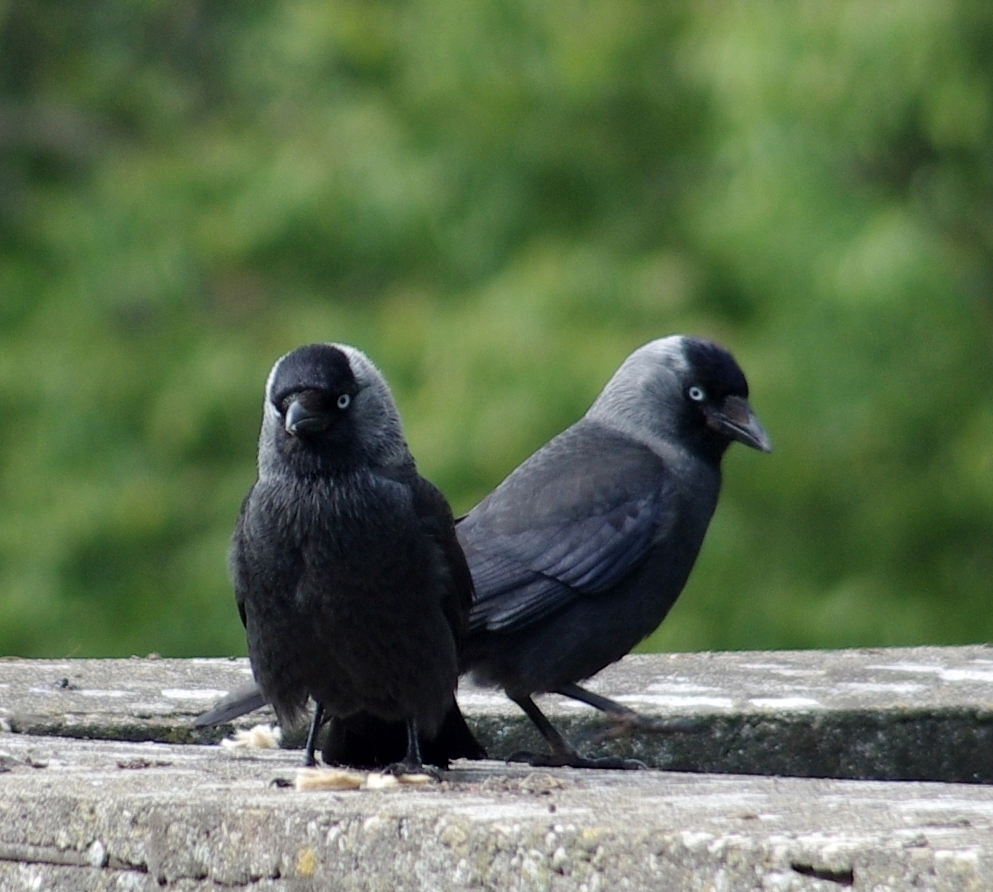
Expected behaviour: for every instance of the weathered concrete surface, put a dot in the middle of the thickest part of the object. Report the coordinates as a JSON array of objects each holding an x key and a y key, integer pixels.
[
  {"x": 902, "y": 713},
  {"x": 98, "y": 815},
  {"x": 136, "y": 699}
]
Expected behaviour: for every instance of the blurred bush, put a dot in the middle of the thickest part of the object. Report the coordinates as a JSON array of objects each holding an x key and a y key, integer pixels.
[{"x": 497, "y": 201}]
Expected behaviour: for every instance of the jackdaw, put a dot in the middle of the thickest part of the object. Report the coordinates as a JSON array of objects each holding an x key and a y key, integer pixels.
[
  {"x": 347, "y": 572},
  {"x": 580, "y": 553}
]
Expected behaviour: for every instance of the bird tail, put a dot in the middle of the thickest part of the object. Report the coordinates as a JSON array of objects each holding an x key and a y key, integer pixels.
[{"x": 246, "y": 698}]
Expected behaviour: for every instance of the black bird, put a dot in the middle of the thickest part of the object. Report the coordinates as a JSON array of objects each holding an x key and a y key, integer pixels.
[
  {"x": 580, "y": 553},
  {"x": 347, "y": 572}
]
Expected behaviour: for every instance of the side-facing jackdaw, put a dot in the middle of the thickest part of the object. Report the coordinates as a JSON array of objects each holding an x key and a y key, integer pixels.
[
  {"x": 347, "y": 572},
  {"x": 580, "y": 553}
]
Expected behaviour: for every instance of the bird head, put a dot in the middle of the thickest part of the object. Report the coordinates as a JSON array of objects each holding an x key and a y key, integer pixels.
[
  {"x": 682, "y": 392},
  {"x": 327, "y": 407}
]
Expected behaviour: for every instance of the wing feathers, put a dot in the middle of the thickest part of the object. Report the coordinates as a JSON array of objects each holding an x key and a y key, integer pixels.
[{"x": 570, "y": 522}]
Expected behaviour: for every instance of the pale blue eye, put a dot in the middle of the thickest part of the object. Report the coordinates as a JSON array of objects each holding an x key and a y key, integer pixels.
[
  {"x": 344, "y": 401},
  {"x": 696, "y": 394}
]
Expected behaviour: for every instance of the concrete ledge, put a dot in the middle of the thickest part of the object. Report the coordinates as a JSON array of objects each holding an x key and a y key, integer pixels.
[
  {"x": 904, "y": 713},
  {"x": 109, "y": 815},
  {"x": 85, "y": 807}
]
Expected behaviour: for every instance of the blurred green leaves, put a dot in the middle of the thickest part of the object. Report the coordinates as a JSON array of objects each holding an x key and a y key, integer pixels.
[{"x": 497, "y": 201}]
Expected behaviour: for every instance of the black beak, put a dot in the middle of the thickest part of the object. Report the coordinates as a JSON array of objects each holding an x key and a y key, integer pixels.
[
  {"x": 736, "y": 419},
  {"x": 302, "y": 420}
]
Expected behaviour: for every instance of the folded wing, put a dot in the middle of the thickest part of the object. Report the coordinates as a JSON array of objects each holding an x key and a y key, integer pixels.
[{"x": 569, "y": 523}]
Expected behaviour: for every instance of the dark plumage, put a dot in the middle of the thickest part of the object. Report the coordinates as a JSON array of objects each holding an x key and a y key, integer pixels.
[
  {"x": 581, "y": 552},
  {"x": 348, "y": 576},
  {"x": 362, "y": 740},
  {"x": 246, "y": 698}
]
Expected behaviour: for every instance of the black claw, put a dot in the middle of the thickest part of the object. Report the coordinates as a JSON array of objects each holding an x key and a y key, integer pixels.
[
  {"x": 412, "y": 763},
  {"x": 398, "y": 769}
]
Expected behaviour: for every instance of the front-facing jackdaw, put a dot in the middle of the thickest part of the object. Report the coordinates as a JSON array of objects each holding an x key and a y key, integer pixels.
[
  {"x": 580, "y": 553},
  {"x": 348, "y": 575}
]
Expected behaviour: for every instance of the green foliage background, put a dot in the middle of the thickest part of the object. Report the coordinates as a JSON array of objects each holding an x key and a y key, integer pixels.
[{"x": 497, "y": 200}]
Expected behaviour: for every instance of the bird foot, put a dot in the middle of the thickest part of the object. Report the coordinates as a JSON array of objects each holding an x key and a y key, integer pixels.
[
  {"x": 408, "y": 769},
  {"x": 574, "y": 760}
]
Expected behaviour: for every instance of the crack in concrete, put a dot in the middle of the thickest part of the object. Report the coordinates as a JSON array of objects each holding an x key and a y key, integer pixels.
[{"x": 27, "y": 853}]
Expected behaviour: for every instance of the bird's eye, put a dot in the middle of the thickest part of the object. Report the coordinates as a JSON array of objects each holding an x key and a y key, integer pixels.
[
  {"x": 344, "y": 401},
  {"x": 696, "y": 394}
]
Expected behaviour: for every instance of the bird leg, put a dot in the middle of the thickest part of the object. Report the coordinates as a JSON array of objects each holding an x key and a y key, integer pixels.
[
  {"x": 624, "y": 718},
  {"x": 315, "y": 727},
  {"x": 412, "y": 763},
  {"x": 563, "y": 753}
]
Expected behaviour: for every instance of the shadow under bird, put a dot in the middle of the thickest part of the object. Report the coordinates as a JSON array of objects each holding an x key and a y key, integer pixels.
[
  {"x": 581, "y": 552},
  {"x": 348, "y": 575}
]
